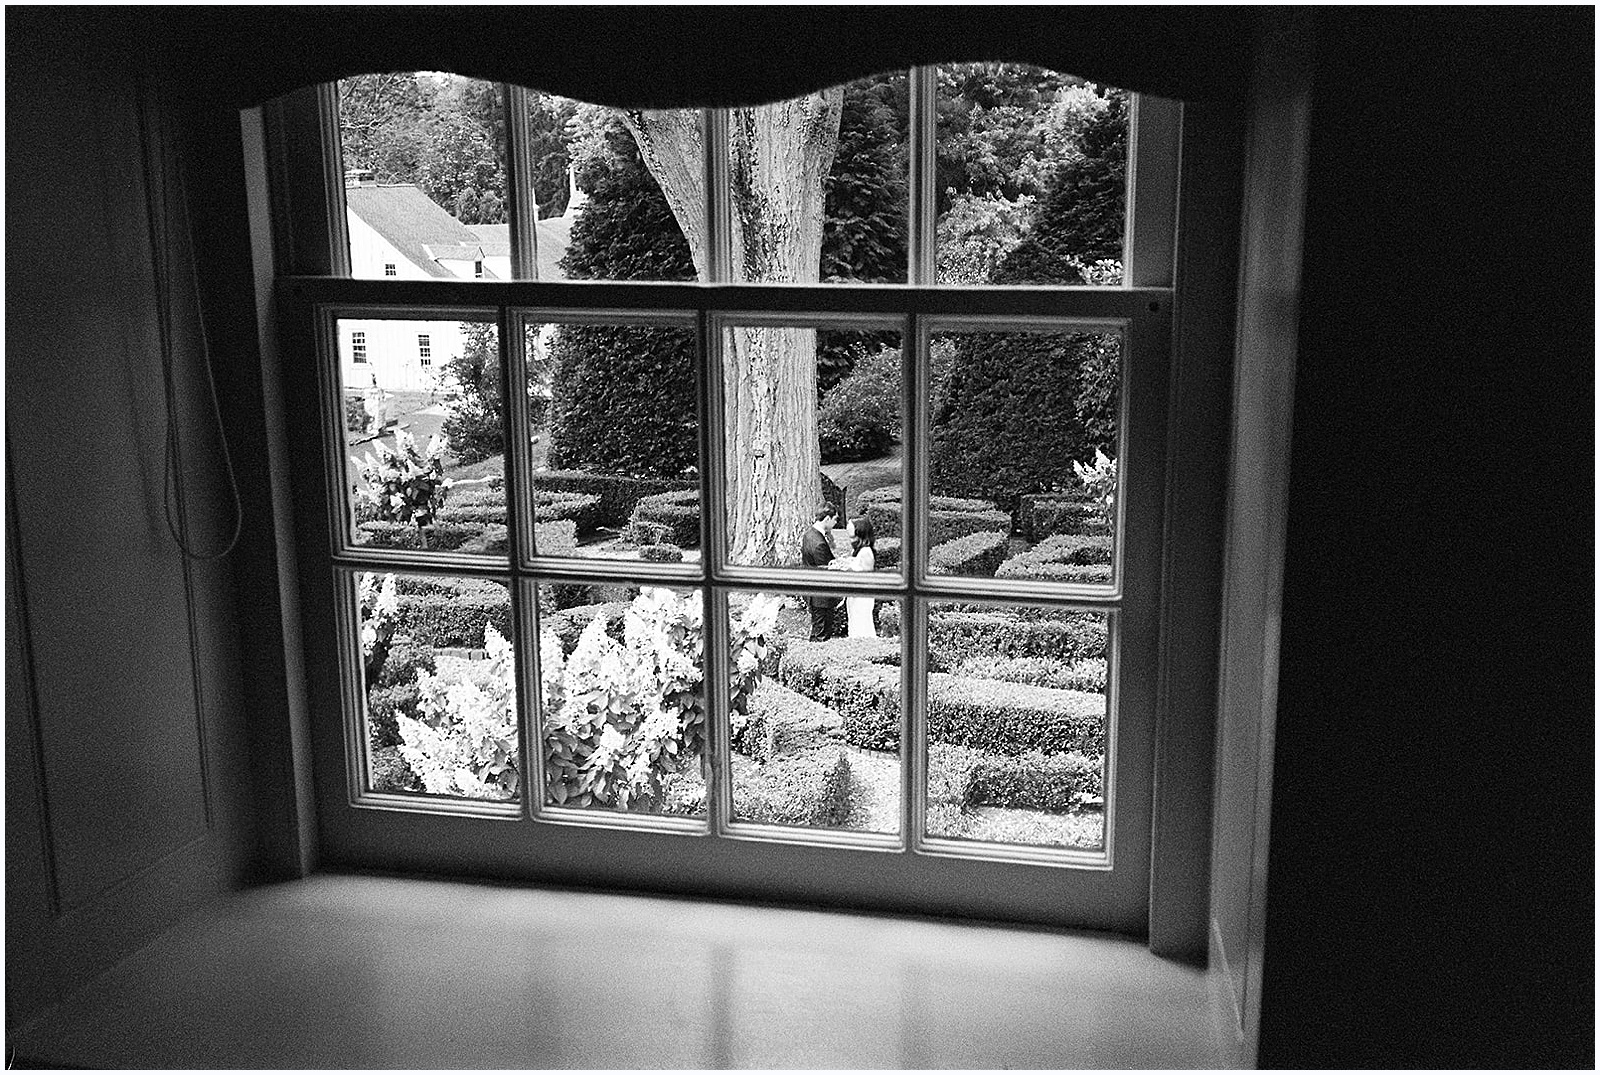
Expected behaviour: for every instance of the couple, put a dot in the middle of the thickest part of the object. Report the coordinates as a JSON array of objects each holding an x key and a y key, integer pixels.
[{"x": 816, "y": 550}]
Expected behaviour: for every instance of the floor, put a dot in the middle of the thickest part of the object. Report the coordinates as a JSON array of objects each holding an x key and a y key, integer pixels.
[{"x": 359, "y": 972}]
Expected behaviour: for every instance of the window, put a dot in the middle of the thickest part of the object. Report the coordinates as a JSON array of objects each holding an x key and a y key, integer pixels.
[
  {"x": 532, "y": 650},
  {"x": 424, "y": 351},
  {"x": 477, "y": 270},
  {"x": 389, "y": 268},
  {"x": 358, "y": 347}
]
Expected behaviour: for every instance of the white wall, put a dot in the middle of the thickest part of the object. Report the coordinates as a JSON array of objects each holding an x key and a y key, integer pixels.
[
  {"x": 393, "y": 354},
  {"x": 369, "y": 252}
]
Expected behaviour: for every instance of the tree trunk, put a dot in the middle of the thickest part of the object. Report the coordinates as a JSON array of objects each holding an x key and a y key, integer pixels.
[{"x": 779, "y": 156}]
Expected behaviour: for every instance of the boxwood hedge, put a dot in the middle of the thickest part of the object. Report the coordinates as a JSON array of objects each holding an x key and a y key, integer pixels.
[
  {"x": 810, "y": 788},
  {"x": 453, "y": 619},
  {"x": 1063, "y": 558},
  {"x": 618, "y": 493},
  {"x": 680, "y": 511},
  {"x": 782, "y": 721},
  {"x": 974, "y": 555},
  {"x": 859, "y": 678},
  {"x": 955, "y": 635}
]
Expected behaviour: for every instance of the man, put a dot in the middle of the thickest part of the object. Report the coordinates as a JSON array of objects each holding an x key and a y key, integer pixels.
[{"x": 816, "y": 550}]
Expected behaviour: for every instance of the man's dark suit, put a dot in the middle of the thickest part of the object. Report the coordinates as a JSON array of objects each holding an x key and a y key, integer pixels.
[{"x": 817, "y": 551}]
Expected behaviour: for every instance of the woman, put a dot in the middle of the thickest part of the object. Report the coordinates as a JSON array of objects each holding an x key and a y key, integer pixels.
[{"x": 858, "y": 610}]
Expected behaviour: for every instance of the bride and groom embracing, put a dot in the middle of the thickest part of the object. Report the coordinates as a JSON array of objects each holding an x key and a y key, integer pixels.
[{"x": 816, "y": 550}]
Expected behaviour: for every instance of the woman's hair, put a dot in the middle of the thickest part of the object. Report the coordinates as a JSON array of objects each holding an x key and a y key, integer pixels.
[{"x": 863, "y": 534}]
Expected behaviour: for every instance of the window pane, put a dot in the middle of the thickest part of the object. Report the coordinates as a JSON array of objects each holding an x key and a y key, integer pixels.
[
  {"x": 1023, "y": 467},
  {"x": 1030, "y": 176},
  {"x": 421, "y": 404},
  {"x": 838, "y": 156},
  {"x": 623, "y": 698},
  {"x": 816, "y": 713},
  {"x": 1017, "y": 724},
  {"x": 615, "y": 441},
  {"x": 440, "y": 685},
  {"x": 789, "y": 455},
  {"x": 424, "y": 157},
  {"x": 619, "y": 195}
]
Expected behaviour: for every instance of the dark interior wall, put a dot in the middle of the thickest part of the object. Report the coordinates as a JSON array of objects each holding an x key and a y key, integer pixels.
[
  {"x": 1430, "y": 895},
  {"x": 125, "y": 772}
]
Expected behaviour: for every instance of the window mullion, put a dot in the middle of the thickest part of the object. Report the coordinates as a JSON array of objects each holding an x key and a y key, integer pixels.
[
  {"x": 713, "y": 541},
  {"x": 523, "y": 211},
  {"x": 920, "y": 240},
  {"x": 719, "y": 216},
  {"x": 525, "y": 628},
  {"x": 914, "y": 518}
]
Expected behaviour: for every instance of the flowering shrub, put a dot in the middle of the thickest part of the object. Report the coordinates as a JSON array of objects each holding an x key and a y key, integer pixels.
[
  {"x": 378, "y": 603},
  {"x": 465, "y": 741},
  {"x": 619, "y": 716},
  {"x": 1101, "y": 482},
  {"x": 404, "y": 484}
]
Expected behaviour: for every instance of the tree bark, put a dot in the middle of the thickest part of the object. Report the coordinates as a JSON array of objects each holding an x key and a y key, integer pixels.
[{"x": 779, "y": 155}]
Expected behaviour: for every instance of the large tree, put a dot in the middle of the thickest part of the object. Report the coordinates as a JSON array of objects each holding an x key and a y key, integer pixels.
[{"x": 779, "y": 156}]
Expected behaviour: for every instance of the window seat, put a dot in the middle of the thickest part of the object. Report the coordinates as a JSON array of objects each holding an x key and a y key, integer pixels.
[{"x": 358, "y": 971}]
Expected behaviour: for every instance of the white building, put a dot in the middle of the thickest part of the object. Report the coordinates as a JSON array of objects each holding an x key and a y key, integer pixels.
[{"x": 397, "y": 232}]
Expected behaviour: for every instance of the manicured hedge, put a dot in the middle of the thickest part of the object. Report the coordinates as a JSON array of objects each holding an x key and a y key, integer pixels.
[
  {"x": 1010, "y": 718},
  {"x": 643, "y": 532},
  {"x": 403, "y": 662},
  {"x": 1037, "y": 781},
  {"x": 678, "y": 510},
  {"x": 618, "y": 493},
  {"x": 810, "y": 788},
  {"x": 582, "y": 509},
  {"x": 886, "y": 553},
  {"x": 568, "y": 623},
  {"x": 782, "y": 721},
  {"x": 948, "y": 517},
  {"x": 661, "y": 554},
  {"x": 453, "y": 619},
  {"x": 956, "y": 635},
  {"x": 442, "y": 537},
  {"x": 853, "y": 677},
  {"x": 1063, "y": 558},
  {"x": 1084, "y": 674},
  {"x": 974, "y": 555},
  {"x": 1039, "y": 517}
]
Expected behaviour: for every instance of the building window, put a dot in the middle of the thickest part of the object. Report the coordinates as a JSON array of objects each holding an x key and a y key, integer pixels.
[
  {"x": 477, "y": 269},
  {"x": 389, "y": 268},
  {"x": 972, "y": 697},
  {"x": 424, "y": 351},
  {"x": 358, "y": 347}
]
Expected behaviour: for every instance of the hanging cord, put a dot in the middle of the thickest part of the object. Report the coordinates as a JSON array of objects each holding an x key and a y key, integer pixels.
[{"x": 156, "y": 167}]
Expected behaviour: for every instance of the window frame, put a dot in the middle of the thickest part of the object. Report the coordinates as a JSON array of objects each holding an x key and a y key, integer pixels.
[
  {"x": 425, "y": 348},
  {"x": 1149, "y": 285}
]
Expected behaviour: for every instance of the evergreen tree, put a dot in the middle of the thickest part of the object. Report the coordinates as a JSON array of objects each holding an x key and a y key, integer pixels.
[{"x": 623, "y": 397}]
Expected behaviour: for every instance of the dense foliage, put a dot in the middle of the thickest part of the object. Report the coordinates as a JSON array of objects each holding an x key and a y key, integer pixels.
[
  {"x": 623, "y": 397},
  {"x": 860, "y": 417},
  {"x": 447, "y": 135}
]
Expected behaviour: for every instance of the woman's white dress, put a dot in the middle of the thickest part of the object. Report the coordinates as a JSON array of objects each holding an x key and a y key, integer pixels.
[{"x": 858, "y": 610}]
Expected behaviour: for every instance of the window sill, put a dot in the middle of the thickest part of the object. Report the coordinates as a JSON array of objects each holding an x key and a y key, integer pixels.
[{"x": 357, "y": 972}]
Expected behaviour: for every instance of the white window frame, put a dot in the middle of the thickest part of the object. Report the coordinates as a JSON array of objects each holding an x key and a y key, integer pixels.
[
  {"x": 358, "y": 348},
  {"x": 424, "y": 349},
  {"x": 1142, "y": 309},
  {"x": 391, "y": 269}
]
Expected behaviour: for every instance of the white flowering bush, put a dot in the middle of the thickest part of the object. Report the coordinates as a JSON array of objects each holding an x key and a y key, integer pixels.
[
  {"x": 619, "y": 716},
  {"x": 378, "y": 603},
  {"x": 404, "y": 484},
  {"x": 465, "y": 741},
  {"x": 1101, "y": 482}
]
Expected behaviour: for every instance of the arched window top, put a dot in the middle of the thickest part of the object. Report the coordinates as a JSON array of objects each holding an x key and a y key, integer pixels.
[{"x": 673, "y": 57}]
